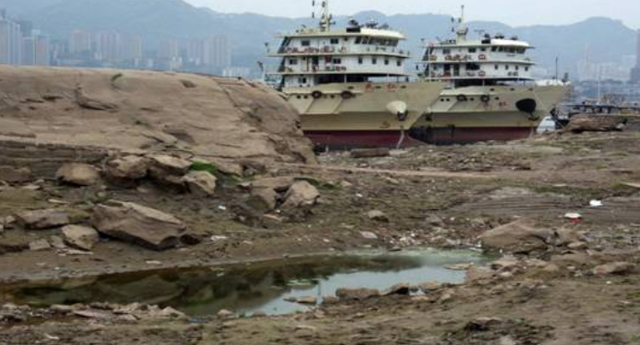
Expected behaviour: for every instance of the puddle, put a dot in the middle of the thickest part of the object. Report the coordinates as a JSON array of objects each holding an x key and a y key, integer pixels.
[{"x": 246, "y": 289}]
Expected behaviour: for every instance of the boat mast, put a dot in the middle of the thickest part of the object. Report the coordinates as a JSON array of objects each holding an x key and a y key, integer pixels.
[
  {"x": 463, "y": 30},
  {"x": 326, "y": 17}
]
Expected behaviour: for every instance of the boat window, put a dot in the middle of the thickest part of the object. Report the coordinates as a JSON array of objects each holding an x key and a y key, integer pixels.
[
  {"x": 337, "y": 61},
  {"x": 506, "y": 67},
  {"x": 446, "y": 51},
  {"x": 483, "y": 49},
  {"x": 472, "y": 50},
  {"x": 293, "y": 61},
  {"x": 360, "y": 60},
  {"x": 493, "y": 49},
  {"x": 399, "y": 63},
  {"x": 335, "y": 41},
  {"x": 358, "y": 40},
  {"x": 386, "y": 62},
  {"x": 374, "y": 61},
  {"x": 517, "y": 68},
  {"x": 526, "y": 69},
  {"x": 497, "y": 67},
  {"x": 306, "y": 43}
]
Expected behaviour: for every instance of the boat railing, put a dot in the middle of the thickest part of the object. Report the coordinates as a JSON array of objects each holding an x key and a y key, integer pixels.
[{"x": 342, "y": 50}]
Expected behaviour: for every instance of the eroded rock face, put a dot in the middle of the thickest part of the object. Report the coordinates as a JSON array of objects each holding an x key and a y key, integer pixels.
[
  {"x": 138, "y": 224},
  {"x": 43, "y": 219},
  {"x": 78, "y": 174},
  {"x": 522, "y": 236},
  {"x": 81, "y": 237},
  {"x": 15, "y": 175}
]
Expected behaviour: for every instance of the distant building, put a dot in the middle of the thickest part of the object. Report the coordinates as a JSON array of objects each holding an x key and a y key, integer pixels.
[
  {"x": 132, "y": 49},
  {"x": 79, "y": 42},
  {"x": 10, "y": 41},
  {"x": 42, "y": 50},
  {"x": 107, "y": 47},
  {"x": 217, "y": 52},
  {"x": 635, "y": 72}
]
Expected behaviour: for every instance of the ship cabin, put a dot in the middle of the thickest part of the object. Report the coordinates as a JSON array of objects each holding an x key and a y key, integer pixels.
[
  {"x": 490, "y": 60},
  {"x": 358, "y": 53}
]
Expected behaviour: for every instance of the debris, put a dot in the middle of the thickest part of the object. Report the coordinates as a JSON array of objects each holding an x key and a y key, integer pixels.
[
  {"x": 368, "y": 235},
  {"x": 595, "y": 203},
  {"x": 309, "y": 300},
  {"x": 81, "y": 237},
  {"x": 378, "y": 216},
  {"x": 78, "y": 174},
  {"x": 138, "y": 224},
  {"x": 43, "y": 219},
  {"x": 218, "y": 238},
  {"x": 596, "y": 123},
  {"x": 574, "y": 217},
  {"x": 153, "y": 263}
]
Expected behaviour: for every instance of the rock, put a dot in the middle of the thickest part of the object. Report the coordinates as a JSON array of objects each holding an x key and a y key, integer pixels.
[
  {"x": 192, "y": 239},
  {"x": 310, "y": 300},
  {"x": 357, "y": 294},
  {"x": 370, "y": 153},
  {"x": 168, "y": 165},
  {"x": 482, "y": 324},
  {"x": 578, "y": 245},
  {"x": 138, "y": 224},
  {"x": 263, "y": 199},
  {"x": 8, "y": 222},
  {"x": 596, "y": 123},
  {"x": 378, "y": 216},
  {"x": 435, "y": 221},
  {"x": 127, "y": 168},
  {"x": 620, "y": 268},
  {"x": 279, "y": 184},
  {"x": 201, "y": 183},
  {"x": 368, "y": 235},
  {"x": 398, "y": 289},
  {"x": 1, "y": 228},
  {"x": 330, "y": 300},
  {"x": 565, "y": 236},
  {"x": 505, "y": 263},
  {"x": 479, "y": 274},
  {"x": 57, "y": 242},
  {"x": 522, "y": 236},
  {"x": 78, "y": 174},
  {"x": 430, "y": 287},
  {"x": 301, "y": 194},
  {"x": 226, "y": 314},
  {"x": 43, "y": 219},
  {"x": 81, "y": 237},
  {"x": 40, "y": 245},
  {"x": 15, "y": 175},
  {"x": 460, "y": 267}
]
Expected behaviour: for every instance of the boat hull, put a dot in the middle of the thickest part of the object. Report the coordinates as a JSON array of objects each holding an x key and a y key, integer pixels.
[{"x": 344, "y": 140}]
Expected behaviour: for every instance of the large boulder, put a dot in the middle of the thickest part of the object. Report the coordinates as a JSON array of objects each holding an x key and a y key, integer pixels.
[
  {"x": 169, "y": 170},
  {"x": 78, "y": 174},
  {"x": 301, "y": 194},
  {"x": 81, "y": 237},
  {"x": 138, "y": 224},
  {"x": 43, "y": 219},
  {"x": 200, "y": 183},
  {"x": 522, "y": 236}
]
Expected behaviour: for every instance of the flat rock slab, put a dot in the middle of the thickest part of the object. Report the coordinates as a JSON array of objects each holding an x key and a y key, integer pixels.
[{"x": 138, "y": 224}]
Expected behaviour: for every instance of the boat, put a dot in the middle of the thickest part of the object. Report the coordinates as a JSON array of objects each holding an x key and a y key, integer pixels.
[
  {"x": 490, "y": 93},
  {"x": 350, "y": 86}
]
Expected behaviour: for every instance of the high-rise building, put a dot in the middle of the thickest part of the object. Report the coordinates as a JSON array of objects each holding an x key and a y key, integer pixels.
[
  {"x": 42, "y": 50},
  {"x": 10, "y": 41},
  {"x": 635, "y": 72},
  {"x": 132, "y": 49},
  {"x": 108, "y": 46},
  {"x": 217, "y": 52},
  {"x": 28, "y": 50},
  {"x": 79, "y": 42},
  {"x": 169, "y": 49}
]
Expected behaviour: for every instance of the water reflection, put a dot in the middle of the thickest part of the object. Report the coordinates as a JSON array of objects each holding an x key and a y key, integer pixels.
[{"x": 248, "y": 288}]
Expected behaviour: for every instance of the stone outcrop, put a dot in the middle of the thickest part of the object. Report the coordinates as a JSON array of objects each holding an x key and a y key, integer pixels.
[
  {"x": 200, "y": 183},
  {"x": 138, "y": 224},
  {"x": 301, "y": 194},
  {"x": 15, "y": 175},
  {"x": 128, "y": 168}
]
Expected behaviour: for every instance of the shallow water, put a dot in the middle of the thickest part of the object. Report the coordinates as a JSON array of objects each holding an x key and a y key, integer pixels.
[{"x": 246, "y": 289}]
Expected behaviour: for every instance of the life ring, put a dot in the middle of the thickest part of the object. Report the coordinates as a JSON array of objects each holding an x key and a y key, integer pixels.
[
  {"x": 485, "y": 98},
  {"x": 347, "y": 94},
  {"x": 316, "y": 94},
  {"x": 461, "y": 98},
  {"x": 482, "y": 57}
]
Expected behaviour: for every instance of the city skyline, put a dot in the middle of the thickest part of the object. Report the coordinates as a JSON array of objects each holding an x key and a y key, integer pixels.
[{"x": 526, "y": 13}]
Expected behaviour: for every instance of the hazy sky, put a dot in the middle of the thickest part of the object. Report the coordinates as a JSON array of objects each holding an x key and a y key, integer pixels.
[{"x": 513, "y": 12}]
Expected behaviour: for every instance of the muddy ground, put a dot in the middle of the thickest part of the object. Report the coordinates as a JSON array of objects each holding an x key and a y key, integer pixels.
[{"x": 442, "y": 197}]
